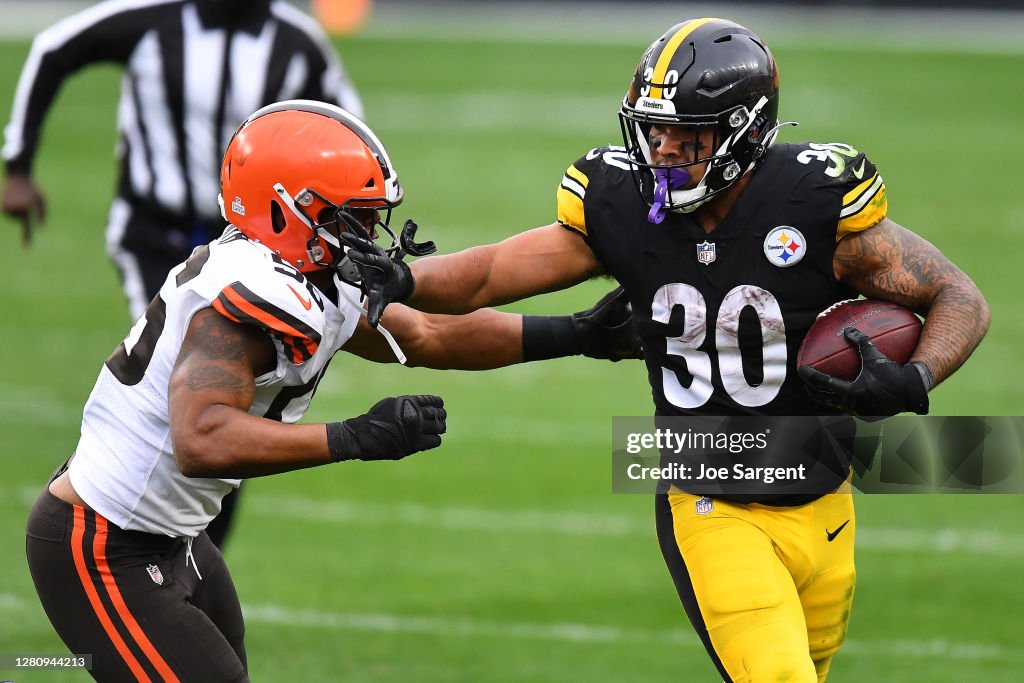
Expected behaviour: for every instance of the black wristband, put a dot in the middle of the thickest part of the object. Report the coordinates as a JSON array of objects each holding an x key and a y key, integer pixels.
[
  {"x": 341, "y": 442},
  {"x": 549, "y": 337},
  {"x": 408, "y": 282},
  {"x": 926, "y": 375},
  {"x": 917, "y": 389}
]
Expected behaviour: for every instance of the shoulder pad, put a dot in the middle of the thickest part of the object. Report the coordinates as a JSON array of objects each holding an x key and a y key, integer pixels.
[
  {"x": 572, "y": 191},
  {"x": 864, "y": 202},
  {"x": 272, "y": 295}
]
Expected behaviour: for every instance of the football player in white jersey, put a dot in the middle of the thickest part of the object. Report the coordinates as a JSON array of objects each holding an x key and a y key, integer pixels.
[{"x": 207, "y": 387}]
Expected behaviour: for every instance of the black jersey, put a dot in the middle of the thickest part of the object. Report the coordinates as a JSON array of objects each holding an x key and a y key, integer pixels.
[{"x": 722, "y": 314}]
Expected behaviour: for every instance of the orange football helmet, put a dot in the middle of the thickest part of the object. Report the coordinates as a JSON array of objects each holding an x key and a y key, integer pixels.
[{"x": 294, "y": 173}]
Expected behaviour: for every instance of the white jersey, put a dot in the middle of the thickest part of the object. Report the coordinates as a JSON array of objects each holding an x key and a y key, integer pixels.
[{"x": 124, "y": 466}]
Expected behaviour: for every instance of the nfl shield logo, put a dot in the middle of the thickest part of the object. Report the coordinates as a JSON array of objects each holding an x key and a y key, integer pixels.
[
  {"x": 706, "y": 252},
  {"x": 705, "y": 505},
  {"x": 155, "y": 574}
]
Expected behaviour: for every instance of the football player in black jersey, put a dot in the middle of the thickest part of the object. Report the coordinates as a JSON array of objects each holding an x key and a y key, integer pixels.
[{"x": 727, "y": 245}]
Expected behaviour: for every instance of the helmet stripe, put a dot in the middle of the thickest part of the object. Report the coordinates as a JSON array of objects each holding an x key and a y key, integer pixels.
[{"x": 669, "y": 51}]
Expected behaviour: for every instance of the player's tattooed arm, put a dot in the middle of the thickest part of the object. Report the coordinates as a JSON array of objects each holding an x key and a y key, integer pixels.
[
  {"x": 534, "y": 262},
  {"x": 218, "y": 355},
  {"x": 211, "y": 390},
  {"x": 892, "y": 263}
]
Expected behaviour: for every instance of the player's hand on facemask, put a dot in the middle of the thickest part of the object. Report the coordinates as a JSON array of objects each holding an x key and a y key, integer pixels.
[
  {"x": 883, "y": 387},
  {"x": 392, "y": 429},
  {"x": 384, "y": 280},
  {"x": 606, "y": 330}
]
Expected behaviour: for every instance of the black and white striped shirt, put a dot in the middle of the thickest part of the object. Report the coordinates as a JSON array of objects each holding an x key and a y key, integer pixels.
[{"x": 186, "y": 87}]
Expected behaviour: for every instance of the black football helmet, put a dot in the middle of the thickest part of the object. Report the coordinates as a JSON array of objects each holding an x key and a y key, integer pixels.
[{"x": 706, "y": 73}]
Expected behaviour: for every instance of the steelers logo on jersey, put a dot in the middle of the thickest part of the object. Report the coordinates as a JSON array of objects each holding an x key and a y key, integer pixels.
[{"x": 784, "y": 246}]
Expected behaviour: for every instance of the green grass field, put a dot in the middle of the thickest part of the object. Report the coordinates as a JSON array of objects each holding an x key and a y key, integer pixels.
[{"x": 503, "y": 556}]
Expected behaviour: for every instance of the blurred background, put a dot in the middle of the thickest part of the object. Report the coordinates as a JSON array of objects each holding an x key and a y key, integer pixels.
[{"x": 503, "y": 556}]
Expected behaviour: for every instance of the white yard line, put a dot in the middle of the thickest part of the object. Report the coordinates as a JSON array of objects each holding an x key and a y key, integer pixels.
[
  {"x": 566, "y": 632},
  {"x": 941, "y": 541},
  {"x": 569, "y": 523},
  {"x": 459, "y": 626},
  {"x": 590, "y": 633}
]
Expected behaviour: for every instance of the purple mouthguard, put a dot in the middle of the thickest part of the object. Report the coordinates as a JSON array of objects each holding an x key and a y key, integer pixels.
[{"x": 678, "y": 178}]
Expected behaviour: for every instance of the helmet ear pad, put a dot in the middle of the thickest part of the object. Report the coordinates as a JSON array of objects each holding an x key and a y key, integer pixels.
[
  {"x": 749, "y": 145},
  {"x": 277, "y": 219}
]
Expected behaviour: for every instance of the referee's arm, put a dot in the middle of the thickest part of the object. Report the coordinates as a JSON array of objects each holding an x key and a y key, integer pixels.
[{"x": 100, "y": 33}]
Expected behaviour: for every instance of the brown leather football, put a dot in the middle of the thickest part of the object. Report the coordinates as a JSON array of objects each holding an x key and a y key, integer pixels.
[{"x": 894, "y": 329}]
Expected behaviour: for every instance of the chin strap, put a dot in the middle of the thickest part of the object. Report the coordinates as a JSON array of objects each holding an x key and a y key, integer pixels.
[
  {"x": 395, "y": 348},
  {"x": 769, "y": 137}
]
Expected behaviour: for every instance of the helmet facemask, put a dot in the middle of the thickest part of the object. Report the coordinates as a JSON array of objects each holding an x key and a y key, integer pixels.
[
  {"x": 346, "y": 220},
  {"x": 327, "y": 221},
  {"x": 738, "y": 140}
]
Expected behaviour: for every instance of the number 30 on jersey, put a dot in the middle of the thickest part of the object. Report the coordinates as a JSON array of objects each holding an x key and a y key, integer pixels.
[{"x": 730, "y": 360}]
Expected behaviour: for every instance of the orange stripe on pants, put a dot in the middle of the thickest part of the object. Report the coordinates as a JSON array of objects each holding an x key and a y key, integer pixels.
[
  {"x": 77, "y": 535},
  {"x": 100, "y": 555}
]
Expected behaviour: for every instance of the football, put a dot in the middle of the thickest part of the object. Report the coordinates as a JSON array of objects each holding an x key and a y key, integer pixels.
[{"x": 893, "y": 328}]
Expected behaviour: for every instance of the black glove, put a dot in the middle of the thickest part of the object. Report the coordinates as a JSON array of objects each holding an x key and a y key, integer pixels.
[
  {"x": 384, "y": 280},
  {"x": 391, "y": 430},
  {"x": 883, "y": 387},
  {"x": 606, "y": 330}
]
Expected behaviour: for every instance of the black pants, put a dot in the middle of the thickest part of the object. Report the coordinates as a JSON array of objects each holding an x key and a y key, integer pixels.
[{"x": 132, "y": 600}]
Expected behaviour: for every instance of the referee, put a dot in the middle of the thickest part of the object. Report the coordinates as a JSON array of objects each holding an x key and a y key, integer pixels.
[{"x": 193, "y": 70}]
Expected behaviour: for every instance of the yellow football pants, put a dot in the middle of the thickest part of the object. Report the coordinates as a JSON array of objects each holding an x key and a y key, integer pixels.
[{"x": 768, "y": 589}]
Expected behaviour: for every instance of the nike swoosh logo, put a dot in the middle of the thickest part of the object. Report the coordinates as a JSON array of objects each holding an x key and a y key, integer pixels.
[
  {"x": 306, "y": 303},
  {"x": 859, "y": 171},
  {"x": 832, "y": 534}
]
